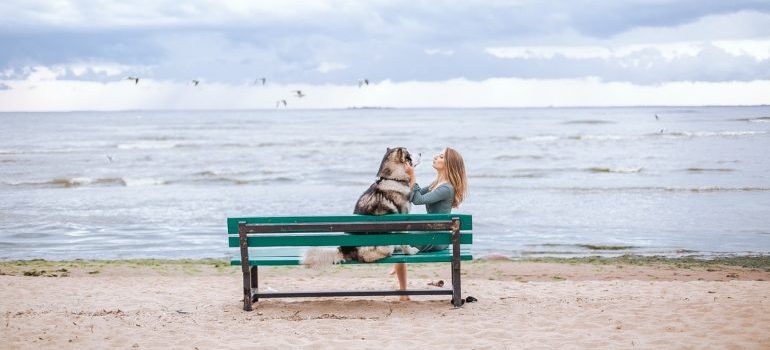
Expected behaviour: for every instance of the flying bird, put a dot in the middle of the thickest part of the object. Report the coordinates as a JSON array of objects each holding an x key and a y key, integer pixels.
[
  {"x": 135, "y": 79},
  {"x": 299, "y": 93},
  {"x": 278, "y": 103},
  {"x": 363, "y": 82},
  {"x": 195, "y": 82},
  {"x": 263, "y": 80},
  {"x": 656, "y": 117}
]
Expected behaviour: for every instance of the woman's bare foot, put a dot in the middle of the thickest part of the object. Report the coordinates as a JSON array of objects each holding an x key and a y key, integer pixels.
[{"x": 404, "y": 298}]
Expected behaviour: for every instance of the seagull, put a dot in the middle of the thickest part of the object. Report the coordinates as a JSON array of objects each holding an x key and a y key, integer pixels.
[
  {"x": 135, "y": 79},
  {"x": 195, "y": 82},
  {"x": 109, "y": 158},
  {"x": 263, "y": 80},
  {"x": 278, "y": 103},
  {"x": 363, "y": 82},
  {"x": 299, "y": 93},
  {"x": 656, "y": 117}
]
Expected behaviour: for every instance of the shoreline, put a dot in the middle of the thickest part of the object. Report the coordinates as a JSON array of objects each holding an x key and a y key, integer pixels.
[
  {"x": 755, "y": 262},
  {"x": 624, "y": 268}
]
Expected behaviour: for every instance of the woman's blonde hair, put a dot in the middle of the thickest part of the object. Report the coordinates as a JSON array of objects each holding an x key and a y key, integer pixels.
[{"x": 455, "y": 173}]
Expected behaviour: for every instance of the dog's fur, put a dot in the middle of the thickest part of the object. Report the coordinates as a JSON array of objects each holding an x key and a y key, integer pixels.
[{"x": 388, "y": 195}]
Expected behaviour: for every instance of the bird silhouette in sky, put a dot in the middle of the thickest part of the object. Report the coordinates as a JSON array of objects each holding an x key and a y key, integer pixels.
[
  {"x": 195, "y": 82},
  {"x": 363, "y": 82},
  {"x": 279, "y": 102},
  {"x": 298, "y": 93},
  {"x": 656, "y": 117},
  {"x": 135, "y": 79},
  {"x": 263, "y": 80}
]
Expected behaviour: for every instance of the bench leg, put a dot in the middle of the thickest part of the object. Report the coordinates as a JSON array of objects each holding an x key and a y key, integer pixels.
[
  {"x": 255, "y": 279},
  {"x": 245, "y": 266},
  {"x": 456, "y": 295},
  {"x": 246, "y": 289}
]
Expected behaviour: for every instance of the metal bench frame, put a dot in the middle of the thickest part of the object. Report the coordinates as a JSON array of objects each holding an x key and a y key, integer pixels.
[{"x": 251, "y": 273}]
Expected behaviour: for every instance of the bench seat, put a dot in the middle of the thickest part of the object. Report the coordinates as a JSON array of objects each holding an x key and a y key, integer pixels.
[{"x": 426, "y": 257}]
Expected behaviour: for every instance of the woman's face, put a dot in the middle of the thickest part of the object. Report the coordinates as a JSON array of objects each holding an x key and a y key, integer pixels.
[{"x": 438, "y": 161}]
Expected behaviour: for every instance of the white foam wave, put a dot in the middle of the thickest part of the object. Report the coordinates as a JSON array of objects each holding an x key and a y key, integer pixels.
[
  {"x": 620, "y": 170},
  {"x": 140, "y": 182},
  {"x": 148, "y": 145},
  {"x": 89, "y": 181},
  {"x": 688, "y": 134},
  {"x": 543, "y": 138},
  {"x": 599, "y": 137}
]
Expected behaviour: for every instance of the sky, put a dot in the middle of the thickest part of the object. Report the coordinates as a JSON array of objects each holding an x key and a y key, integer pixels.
[{"x": 77, "y": 55}]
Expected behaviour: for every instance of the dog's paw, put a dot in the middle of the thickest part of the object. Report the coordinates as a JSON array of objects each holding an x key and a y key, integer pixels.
[{"x": 409, "y": 250}]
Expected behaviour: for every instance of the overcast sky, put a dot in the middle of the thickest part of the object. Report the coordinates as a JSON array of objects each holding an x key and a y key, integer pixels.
[{"x": 76, "y": 55}]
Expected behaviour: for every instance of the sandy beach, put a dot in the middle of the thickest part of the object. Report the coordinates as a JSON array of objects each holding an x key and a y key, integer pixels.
[{"x": 611, "y": 304}]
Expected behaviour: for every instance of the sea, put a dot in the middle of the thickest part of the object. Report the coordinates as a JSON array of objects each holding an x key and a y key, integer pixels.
[{"x": 543, "y": 182}]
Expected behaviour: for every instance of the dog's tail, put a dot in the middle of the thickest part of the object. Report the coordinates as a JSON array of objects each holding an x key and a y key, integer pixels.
[{"x": 319, "y": 257}]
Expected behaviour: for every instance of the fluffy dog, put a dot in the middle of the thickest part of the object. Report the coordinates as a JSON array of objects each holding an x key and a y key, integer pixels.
[{"x": 388, "y": 195}]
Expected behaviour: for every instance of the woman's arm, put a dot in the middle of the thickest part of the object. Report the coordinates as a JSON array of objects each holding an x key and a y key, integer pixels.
[{"x": 440, "y": 193}]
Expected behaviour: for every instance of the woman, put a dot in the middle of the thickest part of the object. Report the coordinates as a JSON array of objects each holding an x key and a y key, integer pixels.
[{"x": 447, "y": 191}]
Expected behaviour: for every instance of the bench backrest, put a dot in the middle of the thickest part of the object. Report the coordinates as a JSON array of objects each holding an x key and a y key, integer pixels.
[{"x": 281, "y": 231}]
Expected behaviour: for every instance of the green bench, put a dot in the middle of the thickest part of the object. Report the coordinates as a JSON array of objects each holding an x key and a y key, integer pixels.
[{"x": 258, "y": 237}]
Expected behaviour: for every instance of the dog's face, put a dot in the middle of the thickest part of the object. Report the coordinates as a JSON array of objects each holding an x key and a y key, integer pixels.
[
  {"x": 398, "y": 155},
  {"x": 394, "y": 161}
]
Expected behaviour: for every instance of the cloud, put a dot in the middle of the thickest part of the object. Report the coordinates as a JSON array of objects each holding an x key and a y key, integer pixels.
[
  {"x": 442, "y": 52},
  {"x": 336, "y": 42},
  {"x": 326, "y": 67}
]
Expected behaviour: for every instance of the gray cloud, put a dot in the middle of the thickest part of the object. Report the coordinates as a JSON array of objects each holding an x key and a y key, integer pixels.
[{"x": 171, "y": 41}]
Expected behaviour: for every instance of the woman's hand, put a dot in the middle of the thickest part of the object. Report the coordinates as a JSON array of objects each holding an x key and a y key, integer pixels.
[{"x": 410, "y": 172}]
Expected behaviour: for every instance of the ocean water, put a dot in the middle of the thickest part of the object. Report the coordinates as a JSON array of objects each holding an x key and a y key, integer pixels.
[{"x": 543, "y": 182}]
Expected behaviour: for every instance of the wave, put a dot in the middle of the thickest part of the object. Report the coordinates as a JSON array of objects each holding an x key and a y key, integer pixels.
[
  {"x": 614, "y": 170},
  {"x": 598, "y": 137},
  {"x": 510, "y": 157},
  {"x": 636, "y": 189},
  {"x": 144, "y": 145},
  {"x": 589, "y": 122},
  {"x": 87, "y": 181},
  {"x": 661, "y": 134},
  {"x": 585, "y": 246},
  {"x": 755, "y": 120},
  {"x": 687, "y": 134},
  {"x": 700, "y": 170},
  {"x": 506, "y": 176}
]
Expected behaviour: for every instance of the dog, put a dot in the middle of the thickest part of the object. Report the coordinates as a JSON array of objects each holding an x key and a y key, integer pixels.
[{"x": 389, "y": 194}]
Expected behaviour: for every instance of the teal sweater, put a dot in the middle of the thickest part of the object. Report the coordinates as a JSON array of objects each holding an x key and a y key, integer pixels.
[{"x": 438, "y": 201}]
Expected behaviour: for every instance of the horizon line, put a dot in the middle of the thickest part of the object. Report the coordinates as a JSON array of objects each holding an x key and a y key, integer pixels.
[{"x": 375, "y": 108}]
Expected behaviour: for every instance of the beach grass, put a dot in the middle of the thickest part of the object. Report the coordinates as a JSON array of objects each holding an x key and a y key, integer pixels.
[
  {"x": 51, "y": 268},
  {"x": 760, "y": 262}
]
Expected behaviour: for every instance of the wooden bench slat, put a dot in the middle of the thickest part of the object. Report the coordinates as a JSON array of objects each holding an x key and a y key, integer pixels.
[
  {"x": 466, "y": 222},
  {"x": 357, "y": 227},
  {"x": 343, "y": 239},
  {"x": 441, "y": 256}
]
